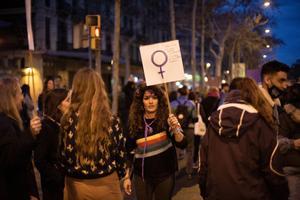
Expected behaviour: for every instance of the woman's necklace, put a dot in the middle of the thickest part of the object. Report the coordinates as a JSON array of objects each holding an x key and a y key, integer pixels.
[{"x": 148, "y": 130}]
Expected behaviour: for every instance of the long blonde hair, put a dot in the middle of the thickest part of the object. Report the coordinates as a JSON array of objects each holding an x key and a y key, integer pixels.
[
  {"x": 251, "y": 93},
  {"x": 89, "y": 99},
  {"x": 9, "y": 87}
]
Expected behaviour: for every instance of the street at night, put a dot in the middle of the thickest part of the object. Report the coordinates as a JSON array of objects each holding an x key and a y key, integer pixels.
[{"x": 149, "y": 100}]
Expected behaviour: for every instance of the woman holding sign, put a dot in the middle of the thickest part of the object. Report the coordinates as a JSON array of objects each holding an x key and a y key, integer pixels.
[{"x": 153, "y": 136}]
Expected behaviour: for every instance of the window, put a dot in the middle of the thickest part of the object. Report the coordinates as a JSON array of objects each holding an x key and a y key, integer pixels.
[{"x": 62, "y": 36}]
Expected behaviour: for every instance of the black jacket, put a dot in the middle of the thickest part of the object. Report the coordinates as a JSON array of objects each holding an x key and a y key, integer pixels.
[
  {"x": 291, "y": 130},
  {"x": 210, "y": 104},
  {"x": 46, "y": 160},
  {"x": 235, "y": 156},
  {"x": 16, "y": 174}
]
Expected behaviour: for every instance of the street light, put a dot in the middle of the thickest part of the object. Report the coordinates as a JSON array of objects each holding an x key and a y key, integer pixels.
[
  {"x": 267, "y": 4},
  {"x": 205, "y": 79},
  {"x": 267, "y": 30},
  {"x": 268, "y": 46},
  {"x": 264, "y": 56},
  {"x": 208, "y": 65}
]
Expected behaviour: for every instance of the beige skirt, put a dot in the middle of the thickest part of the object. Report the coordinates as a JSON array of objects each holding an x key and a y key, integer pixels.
[{"x": 106, "y": 188}]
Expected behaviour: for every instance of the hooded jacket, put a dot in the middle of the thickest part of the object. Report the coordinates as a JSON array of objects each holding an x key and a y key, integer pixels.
[{"x": 236, "y": 152}]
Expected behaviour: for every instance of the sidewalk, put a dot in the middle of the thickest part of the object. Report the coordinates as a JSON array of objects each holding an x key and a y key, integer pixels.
[{"x": 186, "y": 188}]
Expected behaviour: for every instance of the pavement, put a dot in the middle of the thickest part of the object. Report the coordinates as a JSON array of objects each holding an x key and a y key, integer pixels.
[{"x": 186, "y": 187}]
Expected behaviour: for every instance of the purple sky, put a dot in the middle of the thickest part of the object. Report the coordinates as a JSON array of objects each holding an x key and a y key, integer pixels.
[{"x": 288, "y": 29}]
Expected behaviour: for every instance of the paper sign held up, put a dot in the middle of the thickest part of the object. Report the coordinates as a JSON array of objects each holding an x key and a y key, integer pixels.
[{"x": 162, "y": 62}]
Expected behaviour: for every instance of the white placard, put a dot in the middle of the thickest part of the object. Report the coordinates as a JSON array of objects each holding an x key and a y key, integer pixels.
[
  {"x": 238, "y": 70},
  {"x": 162, "y": 62}
]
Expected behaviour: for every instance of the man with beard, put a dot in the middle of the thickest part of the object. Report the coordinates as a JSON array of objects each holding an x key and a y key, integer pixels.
[
  {"x": 274, "y": 84},
  {"x": 274, "y": 81}
]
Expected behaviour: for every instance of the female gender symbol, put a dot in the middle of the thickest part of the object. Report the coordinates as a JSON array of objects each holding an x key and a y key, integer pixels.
[{"x": 160, "y": 65}]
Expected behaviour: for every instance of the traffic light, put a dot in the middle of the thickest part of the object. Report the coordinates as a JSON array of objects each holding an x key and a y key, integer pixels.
[
  {"x": 95, "y": 37},
  {"x": 94, "y": 24},
  {"x": 93, "y": 20}
]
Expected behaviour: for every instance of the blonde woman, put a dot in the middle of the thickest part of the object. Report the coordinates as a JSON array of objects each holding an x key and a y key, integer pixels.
[
  {"x": 92, "y": 142},
  {"x": 16, "y": 144}
]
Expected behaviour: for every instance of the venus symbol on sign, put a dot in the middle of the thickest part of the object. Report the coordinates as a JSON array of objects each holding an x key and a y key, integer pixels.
[{"x": 159, "y": 58}]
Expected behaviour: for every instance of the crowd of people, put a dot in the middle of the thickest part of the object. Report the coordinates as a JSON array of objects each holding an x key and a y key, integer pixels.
[{"x": 83, "y": 151}]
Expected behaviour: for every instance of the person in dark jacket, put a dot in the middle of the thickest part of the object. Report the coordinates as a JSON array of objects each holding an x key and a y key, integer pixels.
[
  {"x": 46, "y": 150},
  {"x": 185, "y": 111},
  {"x": 48, "y": 86},
  {"x": 27, "y": 106},
  {"x": 242, "y": 133},
  {"x": 211, "y": 102},
  {"x": 197, "y": 138},
  {"x": 154, "y": 132},
  {"x": 16, "y": 144},
  {"x": 290, "y": 143}
]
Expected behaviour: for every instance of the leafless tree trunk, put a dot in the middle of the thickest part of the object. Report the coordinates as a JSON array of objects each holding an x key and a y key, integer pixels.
[
  {"x": 193, "y": 45},
  {"x": 126, "y": 51},
  {"x": 202, "y": 63},
  {"x": 219, "y": 54},
  {"x": 116, "y": 57},
  {"x": 231, "y": 59},
  {"x": 172, "y": 19}
]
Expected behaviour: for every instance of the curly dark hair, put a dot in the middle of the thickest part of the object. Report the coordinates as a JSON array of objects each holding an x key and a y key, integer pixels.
[{"x": 137, "y": 110}]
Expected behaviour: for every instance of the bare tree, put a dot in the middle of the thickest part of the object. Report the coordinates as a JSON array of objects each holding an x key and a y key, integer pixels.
[
  {"x": 220, "y": 31},
  {"x": 236, "y": 21},
  {"x": 203, "y": 73},
  {"x": 172, "y": 19},
  {"x": 193, "y": 42},
  {"x": 126, "y": 52},
  {"x": 116, "y": 57}
]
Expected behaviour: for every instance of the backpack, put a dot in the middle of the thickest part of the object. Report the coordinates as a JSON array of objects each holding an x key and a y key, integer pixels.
[{"x": 183, "y": 114}]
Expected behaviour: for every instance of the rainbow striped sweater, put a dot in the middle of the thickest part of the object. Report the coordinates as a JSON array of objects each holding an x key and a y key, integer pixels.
[
  {"x": 157, "y": 150},
  {"x": 153, "y": 145}
]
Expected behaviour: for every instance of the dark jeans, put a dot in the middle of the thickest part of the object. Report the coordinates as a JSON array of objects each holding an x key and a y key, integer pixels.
[
  {"x": 160, "y": 190},
  {"x": 197, "y": 140}
]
